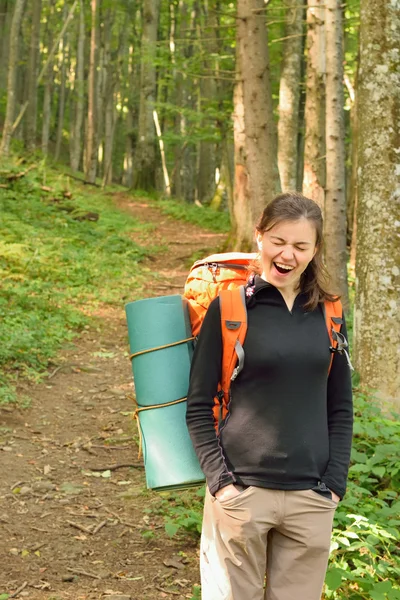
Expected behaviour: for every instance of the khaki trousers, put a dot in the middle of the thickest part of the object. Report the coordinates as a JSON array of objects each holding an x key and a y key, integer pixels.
[{"x": 284, "y": 535}]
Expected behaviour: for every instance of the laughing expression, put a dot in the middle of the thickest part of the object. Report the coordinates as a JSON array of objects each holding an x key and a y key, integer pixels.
[{"x": 286, "y": 250}]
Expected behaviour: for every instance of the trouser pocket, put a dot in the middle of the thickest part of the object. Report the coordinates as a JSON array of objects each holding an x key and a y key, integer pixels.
[{"x": 322, "y": 490}]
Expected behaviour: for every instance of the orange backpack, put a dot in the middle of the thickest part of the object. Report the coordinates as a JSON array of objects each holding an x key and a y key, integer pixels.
[{"x": 225, "y": 275}]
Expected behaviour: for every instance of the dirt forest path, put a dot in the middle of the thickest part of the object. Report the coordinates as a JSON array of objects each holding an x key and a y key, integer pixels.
[{"x": 72, "y": 524}]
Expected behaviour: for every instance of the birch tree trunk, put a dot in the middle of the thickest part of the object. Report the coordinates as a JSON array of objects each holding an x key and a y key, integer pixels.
[
  {"x": 145, "y": 157},
  {"x": 289, "y": 95},
  {"x": 32, "y": 68},
  {"x": 12, "y": 77},
  {"x": 256, "y": 172},
  {"x": 335, "y": 196},
  {"x": 377, "y": 307},
  {"x": 314, "y": 112},
  {"x": 76, "y": 147},
  {"x": 91, "y": 140}
]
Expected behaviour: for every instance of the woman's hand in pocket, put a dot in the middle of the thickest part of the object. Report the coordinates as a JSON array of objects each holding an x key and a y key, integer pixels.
[
  {"x": 227, "y": 492},
  {"x": 335, "y": 497}
]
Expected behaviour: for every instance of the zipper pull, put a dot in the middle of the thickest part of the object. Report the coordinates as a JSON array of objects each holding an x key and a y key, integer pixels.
[{"x": 214, "y": 269}]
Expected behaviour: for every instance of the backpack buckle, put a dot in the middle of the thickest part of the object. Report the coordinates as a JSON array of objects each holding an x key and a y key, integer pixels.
[{"x": 341, "y": 347}]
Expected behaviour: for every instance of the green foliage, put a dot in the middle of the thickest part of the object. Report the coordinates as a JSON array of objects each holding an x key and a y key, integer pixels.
[
  {"x": 182, "y": 511},
  {"x": 57, "y": 267},
  {"x": 196, "y": 593},
  {"x": 365, "y": 557},
  {"x": 203, "y": 216}
]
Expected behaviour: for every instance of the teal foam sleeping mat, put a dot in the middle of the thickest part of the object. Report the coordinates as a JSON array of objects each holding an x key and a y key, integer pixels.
[{"x": 161, "y": 377}]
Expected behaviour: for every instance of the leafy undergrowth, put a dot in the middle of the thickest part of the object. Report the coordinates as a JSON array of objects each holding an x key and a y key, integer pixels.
[
  {"x": 64, "y": 251},
  {"x": 365, "y": 555}
]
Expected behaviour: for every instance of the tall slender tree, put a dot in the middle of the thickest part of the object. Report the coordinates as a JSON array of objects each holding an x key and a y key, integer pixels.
[
  {"x": 92, "y": 121},
  {"x": 48, "y": 86},
  {"x": 208, "y": 90},
  {"x": 289, "y": 95},
  {"x": 33, "y": 61},
  {"x": 377, "y": 307},
  {"x": 314, "y": 112},
  {"x": 12, "y": 77},
  {"x": 256, "y": 172},
  {"x": 335, "y": 198},
  {"x": 145, "y": 156},
  {"x": 5, "y": 26},
  {"x": 76, "y": 143},
  {"x": 64, "y": 54}
]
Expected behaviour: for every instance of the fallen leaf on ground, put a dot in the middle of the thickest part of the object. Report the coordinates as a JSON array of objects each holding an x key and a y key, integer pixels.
[{"x": 171, "y": 562}]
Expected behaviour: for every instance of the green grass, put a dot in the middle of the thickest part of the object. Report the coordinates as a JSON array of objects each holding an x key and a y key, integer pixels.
[
  {"x": 56, "y": 270},
  {"x": 204, "y": 216}
]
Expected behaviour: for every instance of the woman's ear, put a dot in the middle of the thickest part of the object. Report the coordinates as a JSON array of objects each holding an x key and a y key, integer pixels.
[{"x": 259, "y": 240}]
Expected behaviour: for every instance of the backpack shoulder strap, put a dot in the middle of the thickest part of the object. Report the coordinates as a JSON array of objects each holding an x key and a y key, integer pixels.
[
  {"x": 233, "y": 327},
  {"x": 333, "y": 312}
]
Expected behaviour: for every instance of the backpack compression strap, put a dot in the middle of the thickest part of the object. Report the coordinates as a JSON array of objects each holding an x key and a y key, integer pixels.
[
  {"x": 234, "y": 327},
  {"x": 333, "y": 312}
]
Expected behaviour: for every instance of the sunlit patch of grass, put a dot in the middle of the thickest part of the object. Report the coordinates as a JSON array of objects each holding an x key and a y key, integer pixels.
[
  {"x": 203, "y": 216},
  {"x": 65, "y": 253}
]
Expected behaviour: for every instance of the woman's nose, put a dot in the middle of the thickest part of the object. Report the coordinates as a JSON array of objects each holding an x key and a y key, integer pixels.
[{"x": 287, "y": 253}]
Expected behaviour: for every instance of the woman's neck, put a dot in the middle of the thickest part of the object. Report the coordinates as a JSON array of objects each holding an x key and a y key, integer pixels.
[{"x": 289, "y": 294}]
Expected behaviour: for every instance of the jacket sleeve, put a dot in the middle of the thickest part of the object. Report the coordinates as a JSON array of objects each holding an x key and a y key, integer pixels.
[
  {"x": 340, "y": 423},
  {"x": 204, "y": 377}
]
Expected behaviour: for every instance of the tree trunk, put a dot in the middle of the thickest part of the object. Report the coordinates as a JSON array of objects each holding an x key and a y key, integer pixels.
[
  {"x": 314, "y": 113},
  {"x": 289, "y": 95},
  {"x": 48, "y": 87},
  {"x": 145, "y": 157},
  {"x": 179, "y": 119},
  {"x": 256, "y": 173},
  {"x": 128, "y": 159},
  {"x": 76, "y": 126},
  {"x": 5, "y": 26},
  {"x": 61, "y": 94},
  {"x": 335, "y": 196},
  {"x": 34, "y": 55},
  {"x": 101, "y": 100},
  {"x": 12, "y": 77},
  {"x": 377, "y": 307},
  {"x": 353, "y": 185},
  {"x": 108, "y": 101},
  {"x": 110, "y": 122},
  {"x": 91, "y": 141},
  {"x": 242, "y": 233},
  {"x": 209, "y": 93}
]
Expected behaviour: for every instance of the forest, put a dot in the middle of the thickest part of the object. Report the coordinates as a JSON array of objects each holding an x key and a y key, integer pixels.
[{"x": 119, "y": 117}]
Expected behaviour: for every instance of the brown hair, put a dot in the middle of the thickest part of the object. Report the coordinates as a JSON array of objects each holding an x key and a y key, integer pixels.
[{"x": 292, "y": 206}]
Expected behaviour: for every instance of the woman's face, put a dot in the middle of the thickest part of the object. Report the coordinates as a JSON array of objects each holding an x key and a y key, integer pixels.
[{"x": 286, "y": 250}]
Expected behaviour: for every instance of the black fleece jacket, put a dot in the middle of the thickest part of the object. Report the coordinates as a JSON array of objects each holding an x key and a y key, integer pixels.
[{"x": 289, "y": 425}]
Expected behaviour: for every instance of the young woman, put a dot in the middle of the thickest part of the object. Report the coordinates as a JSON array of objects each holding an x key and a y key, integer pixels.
[{"x": 278, "y": 466}]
